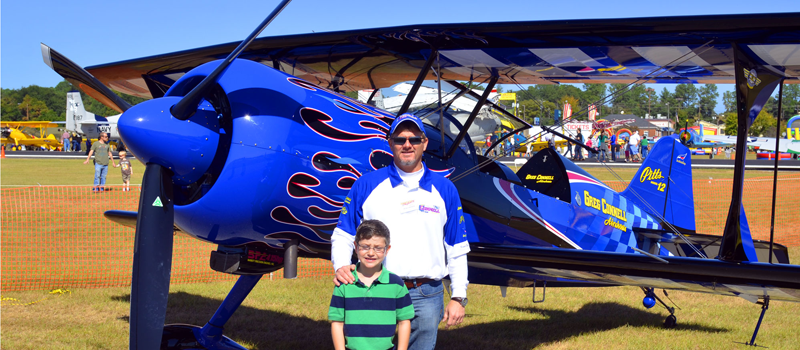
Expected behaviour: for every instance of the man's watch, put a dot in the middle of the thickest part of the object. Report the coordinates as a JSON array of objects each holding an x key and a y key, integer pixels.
[{"x": 462, "y": 301}]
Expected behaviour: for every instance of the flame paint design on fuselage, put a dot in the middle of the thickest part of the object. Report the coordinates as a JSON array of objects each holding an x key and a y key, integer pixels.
[{"x": 296, "y": 150}]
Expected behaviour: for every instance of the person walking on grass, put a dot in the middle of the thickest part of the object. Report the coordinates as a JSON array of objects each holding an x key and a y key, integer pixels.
[
  {"x": 127, "y": 170},
  {"x": 614, "y": 146},
  {"x": 102, "y": 156},
  {"x": 65, "y": 141},
  {"x": 645, "y": 147},
  {"x": 634, "y": 143},
  {"x": 602, "y": 142}
]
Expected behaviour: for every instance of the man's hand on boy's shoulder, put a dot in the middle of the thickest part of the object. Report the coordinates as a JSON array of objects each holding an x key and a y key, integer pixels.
[{"x": 344, "y": 275}]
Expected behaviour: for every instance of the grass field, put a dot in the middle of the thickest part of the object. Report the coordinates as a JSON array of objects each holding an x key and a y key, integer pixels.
[
  {"x": 291, "y": 314},
  {"x": 58, "y": 172}
]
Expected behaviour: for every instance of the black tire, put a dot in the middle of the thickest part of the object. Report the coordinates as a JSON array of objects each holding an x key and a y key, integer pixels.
[{"x": 671, "y": 321}]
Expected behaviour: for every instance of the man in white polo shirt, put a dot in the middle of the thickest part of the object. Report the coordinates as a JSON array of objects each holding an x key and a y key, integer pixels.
[
  {"x": 429, "y": 240},
  {"x": 634, "y": 141}
]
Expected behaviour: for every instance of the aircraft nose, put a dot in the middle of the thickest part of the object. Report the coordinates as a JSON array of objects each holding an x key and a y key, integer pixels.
[{"x": 185, "y": 147}]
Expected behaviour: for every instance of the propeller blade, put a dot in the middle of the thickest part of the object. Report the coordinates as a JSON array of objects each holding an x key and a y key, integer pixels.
[
  {"x": 152, "y": 259},
  {"x": 188, "y": 104},
  {"x": 82, "y": 79}
]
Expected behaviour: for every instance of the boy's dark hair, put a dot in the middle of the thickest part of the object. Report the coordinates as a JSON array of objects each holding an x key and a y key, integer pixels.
[{"x": 372, "y": 228}]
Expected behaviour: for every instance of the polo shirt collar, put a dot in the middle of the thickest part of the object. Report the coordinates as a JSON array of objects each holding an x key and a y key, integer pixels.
[
  {"x": 425, "y": 182},
  {"x": 382, "y": 278}
]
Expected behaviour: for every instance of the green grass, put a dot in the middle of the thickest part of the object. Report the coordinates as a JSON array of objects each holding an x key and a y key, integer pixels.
[
  {"x": 58, "y": 172},
  {"x": 292, "y": 314}
]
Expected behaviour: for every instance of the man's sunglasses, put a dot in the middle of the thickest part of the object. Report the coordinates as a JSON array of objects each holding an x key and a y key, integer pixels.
[{"x": 414, "y": 140}]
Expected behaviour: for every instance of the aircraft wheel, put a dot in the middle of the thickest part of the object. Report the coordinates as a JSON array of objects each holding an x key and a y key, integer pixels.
[{"x": 671, "y": 321}]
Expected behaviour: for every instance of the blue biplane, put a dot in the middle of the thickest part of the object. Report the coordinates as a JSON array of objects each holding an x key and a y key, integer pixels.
[{"x": 256, "y": 152}]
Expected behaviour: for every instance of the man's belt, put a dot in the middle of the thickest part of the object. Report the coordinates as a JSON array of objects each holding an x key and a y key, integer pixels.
[{"x": 416, "y": 282}]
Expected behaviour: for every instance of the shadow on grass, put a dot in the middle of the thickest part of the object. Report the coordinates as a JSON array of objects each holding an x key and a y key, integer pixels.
[
  {"x": 261, "y": 329},
  {"x": 252, "y": 327},
  {"x": 555, "y": 326}
]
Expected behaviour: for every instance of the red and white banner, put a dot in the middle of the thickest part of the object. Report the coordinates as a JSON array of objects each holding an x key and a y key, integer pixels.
[
  {"x": 592, "y": 112},
  {"x": 567, "y": 110}
]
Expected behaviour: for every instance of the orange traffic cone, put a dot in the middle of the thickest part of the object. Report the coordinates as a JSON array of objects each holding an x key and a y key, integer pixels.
[{"x": 2, "y": 152}]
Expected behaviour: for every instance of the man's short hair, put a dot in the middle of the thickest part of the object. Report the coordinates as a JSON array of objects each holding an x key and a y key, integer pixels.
[{"x": 372, "y": 228}]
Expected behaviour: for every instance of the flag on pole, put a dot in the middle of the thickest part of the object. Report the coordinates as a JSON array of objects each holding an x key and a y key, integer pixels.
[
  {"x": 592, "y": 112},
  {"x": 567, "y": 110}
]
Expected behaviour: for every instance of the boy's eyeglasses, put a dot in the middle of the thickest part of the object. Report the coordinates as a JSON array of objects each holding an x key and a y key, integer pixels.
[
  {"x": 414, "y": 140},
  {"x": 366, "y": 248}
]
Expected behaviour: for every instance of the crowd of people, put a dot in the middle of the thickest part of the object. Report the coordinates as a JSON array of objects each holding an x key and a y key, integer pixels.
[
  {"x": 608, "y": 146},
  {"x": 633, "y": 148},
  {"x": 71, "y": 142}
]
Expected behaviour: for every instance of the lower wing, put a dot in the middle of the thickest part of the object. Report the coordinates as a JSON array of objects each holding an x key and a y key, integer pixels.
[{"x": 751, "y": 281}]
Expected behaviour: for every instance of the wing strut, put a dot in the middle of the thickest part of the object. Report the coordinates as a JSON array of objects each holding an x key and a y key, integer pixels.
[
  {"x": 502, "y": 110},
  {"x": 775, "y": 173},
  {"x": 417, "y": 83},
  {"x": 472, "y": 116},
  {"x": 754, "y": 84}
]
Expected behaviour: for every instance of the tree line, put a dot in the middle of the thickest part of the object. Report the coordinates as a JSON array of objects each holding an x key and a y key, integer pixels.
[
  {"x": 688, "y": 102},
  {"x": 36, "y": 103}
]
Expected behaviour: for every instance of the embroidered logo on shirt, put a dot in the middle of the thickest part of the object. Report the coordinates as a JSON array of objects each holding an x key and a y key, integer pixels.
[{"x": 426, "y": 209}]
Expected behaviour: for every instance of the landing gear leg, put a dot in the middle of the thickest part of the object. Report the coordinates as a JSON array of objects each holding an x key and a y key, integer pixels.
[
  {"x": 764, "y": 307},
  {"x": 671, "y": 320}
]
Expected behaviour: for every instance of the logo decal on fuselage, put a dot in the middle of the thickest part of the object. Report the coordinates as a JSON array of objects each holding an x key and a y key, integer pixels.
[
  {"x": 540, "y": 178},
  {"x": 752, "y": 78},
  {"x": 603, "y": 206},
  {"x": 651, "y": 175},
  {"x": 681, "y": 158}
]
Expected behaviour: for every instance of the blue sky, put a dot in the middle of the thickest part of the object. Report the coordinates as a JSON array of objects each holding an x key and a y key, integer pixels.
[{"x": 92, "y": 32}]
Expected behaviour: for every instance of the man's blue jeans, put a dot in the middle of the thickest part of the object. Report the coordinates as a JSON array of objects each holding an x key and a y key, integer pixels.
[
  {"x": 100, "y": 172},
  {"x": 65, "y": 145},
  {"x": 428, "y": 312}
]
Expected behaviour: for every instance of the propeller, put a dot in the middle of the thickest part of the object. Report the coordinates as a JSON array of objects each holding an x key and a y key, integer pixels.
[
  {"x": 79, "y": 77},
  {"x": 152, "y": 258},
  {"x": 186, "y": 107}
]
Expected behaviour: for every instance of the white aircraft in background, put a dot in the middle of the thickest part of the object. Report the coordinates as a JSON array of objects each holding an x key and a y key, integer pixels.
[
  {"x": 762, "y": 143},
  {"x": 428, "y": 98},
  {"x": 87, "y": 123}
]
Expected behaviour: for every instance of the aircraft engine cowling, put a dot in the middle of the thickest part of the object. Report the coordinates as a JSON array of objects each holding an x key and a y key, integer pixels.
[{"x": 187, "y": 148}]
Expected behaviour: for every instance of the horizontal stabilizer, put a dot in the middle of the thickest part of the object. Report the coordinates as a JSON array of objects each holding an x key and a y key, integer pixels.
[
  {"x": 752, "y": 280},
  {"x": 709, "y": 246},
  {"x": 127, "y": 218}
]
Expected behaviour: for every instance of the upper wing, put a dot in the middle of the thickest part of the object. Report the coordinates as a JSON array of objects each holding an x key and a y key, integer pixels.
[
  {"x": 18, "y": 125},
  {"x": 749, "y": 280},
  {"x": 694, "y": 49}
]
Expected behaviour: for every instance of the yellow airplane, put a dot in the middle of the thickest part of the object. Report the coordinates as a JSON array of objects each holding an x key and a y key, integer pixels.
[
  {"x": 16, "y": 133},
  {"x": 522, "y": 147}
]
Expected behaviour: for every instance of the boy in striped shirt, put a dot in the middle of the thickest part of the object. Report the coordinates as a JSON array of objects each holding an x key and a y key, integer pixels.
[{"x": 366, "y": 313}]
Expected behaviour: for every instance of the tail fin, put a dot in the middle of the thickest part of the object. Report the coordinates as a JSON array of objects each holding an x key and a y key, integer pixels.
[
  {"x": 663, "y": 184},
  {"x": 76, "y": 113}
]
